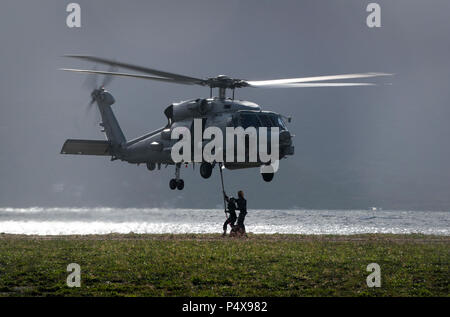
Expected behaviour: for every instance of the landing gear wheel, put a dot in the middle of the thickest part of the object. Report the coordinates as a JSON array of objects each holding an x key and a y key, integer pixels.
[
  {"x": 173, "y": 183},
  {"x": 267, "y": 176},
  {"x": 180, "y": 184},
  {"x": 206, "y": 170}
]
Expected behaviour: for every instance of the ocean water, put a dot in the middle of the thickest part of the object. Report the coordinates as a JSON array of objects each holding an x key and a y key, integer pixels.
[{"x": 65, "y": 221}]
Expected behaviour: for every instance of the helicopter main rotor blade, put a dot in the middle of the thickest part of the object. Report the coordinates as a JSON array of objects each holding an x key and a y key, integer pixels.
[
  {"x": 262, "y": 83},
  {"x": 88, "y": 71},
  {"x": 312, "y": 85},
  {"x": 176, "y": 77}
]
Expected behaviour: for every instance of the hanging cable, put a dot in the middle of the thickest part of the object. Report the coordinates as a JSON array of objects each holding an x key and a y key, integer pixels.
[{"x": 223, "y": 190}]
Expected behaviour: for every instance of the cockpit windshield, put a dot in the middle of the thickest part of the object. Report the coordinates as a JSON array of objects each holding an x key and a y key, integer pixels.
[{"x": 281, "y": 123}]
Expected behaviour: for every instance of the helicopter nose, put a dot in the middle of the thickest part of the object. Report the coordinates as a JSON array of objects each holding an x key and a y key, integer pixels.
[
  {"x": 285, "y": 138},
  {"x": 286, "y": 147}
]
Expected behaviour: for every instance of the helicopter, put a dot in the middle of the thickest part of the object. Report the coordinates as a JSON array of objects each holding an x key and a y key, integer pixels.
[{"x": 154, "y": 148}]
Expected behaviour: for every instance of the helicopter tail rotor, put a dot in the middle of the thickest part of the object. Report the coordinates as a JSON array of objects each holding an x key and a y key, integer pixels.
[{"x": 91, "y": 84}]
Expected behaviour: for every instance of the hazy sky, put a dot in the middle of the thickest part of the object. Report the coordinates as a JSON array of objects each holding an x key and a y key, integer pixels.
[{"x": 355, "y": 147}]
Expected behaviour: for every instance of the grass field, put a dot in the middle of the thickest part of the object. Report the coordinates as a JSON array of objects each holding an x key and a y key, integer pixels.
[{"x": 209, "y": 265}]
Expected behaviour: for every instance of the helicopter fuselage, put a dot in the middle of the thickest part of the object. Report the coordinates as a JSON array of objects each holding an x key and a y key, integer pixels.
[
  {"x": 155, "y": 147},
  {"x": 222, "y": 115}
]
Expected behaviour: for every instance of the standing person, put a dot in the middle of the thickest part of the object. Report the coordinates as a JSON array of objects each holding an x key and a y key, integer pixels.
[
  {"x": 242, "y": 206},
  {"x": 231, "y": 209}
]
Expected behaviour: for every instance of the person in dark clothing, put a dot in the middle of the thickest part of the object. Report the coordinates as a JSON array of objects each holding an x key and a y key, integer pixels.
[
  {"x": 231, "y": 210},
  {"x": 242, "y": 207}
]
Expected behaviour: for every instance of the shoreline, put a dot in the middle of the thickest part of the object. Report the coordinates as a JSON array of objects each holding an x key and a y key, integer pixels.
[{"x": 375, "y": 237}]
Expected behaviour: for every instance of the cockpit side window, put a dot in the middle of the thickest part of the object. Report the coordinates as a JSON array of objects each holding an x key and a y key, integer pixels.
[
  {"x": 249, "y": 120},
  {"x": 265, "y": 120},
  {"x": 277, "y": 121}
]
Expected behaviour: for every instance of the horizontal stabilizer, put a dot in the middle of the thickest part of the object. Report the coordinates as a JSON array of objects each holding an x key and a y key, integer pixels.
[{"x": 86, "y": 147}]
